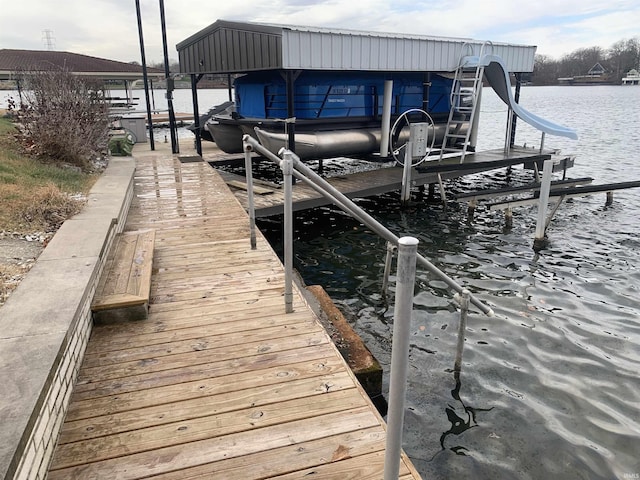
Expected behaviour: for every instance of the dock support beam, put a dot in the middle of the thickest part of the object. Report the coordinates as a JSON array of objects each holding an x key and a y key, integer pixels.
[
  {"x": 196, "y": 113},
  {"x": 462, "y": 327},
  {"x": 471, "y": 208},
  {"x": 543, "y": 203},
  {"x": 508, "y": 218},
  {"x": 514, "y": 118},
  {"x": 250, "y": 201},
  {"x": 386, "y": 118},
  {"x": 391, "y": 248},
  {"x": 407, "y": 253},
  {"x": 405, "y": 194},
  {"x": 473, "y": 137},
  {"x": 609, "y": 200},
  {"x": 287, "y": 171}
]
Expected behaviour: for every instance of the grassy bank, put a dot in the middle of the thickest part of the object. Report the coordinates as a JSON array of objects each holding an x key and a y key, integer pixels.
[{"x": 35, "y": 197}]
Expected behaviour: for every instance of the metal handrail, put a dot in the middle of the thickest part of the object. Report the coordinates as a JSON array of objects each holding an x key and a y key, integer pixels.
[
  {"x": 303, "y": 173},
  {"x": 406, "y": 266}
]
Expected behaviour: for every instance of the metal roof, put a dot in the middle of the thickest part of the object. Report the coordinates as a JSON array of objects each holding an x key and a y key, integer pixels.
[
  {"x": 236, "y": 47},
  {"x": 12, "y": 61}
]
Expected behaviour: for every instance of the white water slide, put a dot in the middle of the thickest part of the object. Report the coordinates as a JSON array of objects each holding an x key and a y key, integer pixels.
[{"x": 497, "y": 76}]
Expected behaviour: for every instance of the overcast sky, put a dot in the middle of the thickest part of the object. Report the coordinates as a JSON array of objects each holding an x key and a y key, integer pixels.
[{"x": 108, "y": 28}]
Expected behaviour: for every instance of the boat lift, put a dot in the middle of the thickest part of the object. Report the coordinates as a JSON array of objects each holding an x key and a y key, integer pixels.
[{"x": 546, "y": 194}]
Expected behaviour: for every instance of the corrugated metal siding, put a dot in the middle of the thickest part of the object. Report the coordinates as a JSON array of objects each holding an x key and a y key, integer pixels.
[
  {"x": 340, "y": 51},
  {"x": 228, "y": 50},
  {"x": 233, "y": 47}
]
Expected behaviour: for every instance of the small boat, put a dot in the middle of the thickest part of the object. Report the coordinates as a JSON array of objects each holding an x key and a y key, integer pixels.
[
  {"x": 205, "y": 134},
  {"x": 336, "y": 113}
]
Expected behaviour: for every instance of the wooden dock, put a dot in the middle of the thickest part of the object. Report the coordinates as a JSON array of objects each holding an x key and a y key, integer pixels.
[
  {"x": 218, "y": 382},
  {"x": 269, "y": 201}
]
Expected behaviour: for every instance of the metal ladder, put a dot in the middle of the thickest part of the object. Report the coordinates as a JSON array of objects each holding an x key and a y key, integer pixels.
[{"x": 467, "y": 83}]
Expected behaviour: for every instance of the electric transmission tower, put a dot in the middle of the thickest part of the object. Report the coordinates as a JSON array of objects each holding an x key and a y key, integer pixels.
[{"x": 48, "y": 40}]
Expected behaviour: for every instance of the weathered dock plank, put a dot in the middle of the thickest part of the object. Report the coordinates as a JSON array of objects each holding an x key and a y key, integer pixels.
[{"x": 218, "y": 382}]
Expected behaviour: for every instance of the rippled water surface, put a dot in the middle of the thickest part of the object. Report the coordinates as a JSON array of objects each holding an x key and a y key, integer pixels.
[{"x": 550, "y": 386}]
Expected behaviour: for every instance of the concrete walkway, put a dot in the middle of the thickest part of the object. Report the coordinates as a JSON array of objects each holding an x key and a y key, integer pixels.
[{"x": 46, "y": 322}]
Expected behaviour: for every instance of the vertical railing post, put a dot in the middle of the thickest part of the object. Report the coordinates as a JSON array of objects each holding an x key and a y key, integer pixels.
[
  {"x": 250, "y": 202},
  {"x": 387, "y": 267},
  {"x": 462, "y": 327},
  {"x": 407, "y": 254},
  {"x": 543, "y": 203},
  {"x": 287, "y": 171}
]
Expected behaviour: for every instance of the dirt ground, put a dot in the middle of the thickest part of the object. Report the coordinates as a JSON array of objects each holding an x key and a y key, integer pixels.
[{"x": 18, "y": 253}]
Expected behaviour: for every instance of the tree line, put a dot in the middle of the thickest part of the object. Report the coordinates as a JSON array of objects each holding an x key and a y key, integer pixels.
[{"x": 617, "y": 61}]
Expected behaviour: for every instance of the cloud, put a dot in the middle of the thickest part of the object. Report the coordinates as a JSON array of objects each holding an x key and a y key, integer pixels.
[{"x": 108, "y": 28}]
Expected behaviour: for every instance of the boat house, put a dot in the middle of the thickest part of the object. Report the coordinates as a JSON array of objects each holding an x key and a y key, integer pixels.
[{"x": 293, "y": 52}]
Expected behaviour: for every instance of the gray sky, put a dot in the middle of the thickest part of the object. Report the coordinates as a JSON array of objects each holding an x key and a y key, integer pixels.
[{"x": 108, "y": 28}]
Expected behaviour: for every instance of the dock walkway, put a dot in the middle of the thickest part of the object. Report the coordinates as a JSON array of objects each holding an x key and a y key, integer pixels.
[{"x": 218, "y": 382}]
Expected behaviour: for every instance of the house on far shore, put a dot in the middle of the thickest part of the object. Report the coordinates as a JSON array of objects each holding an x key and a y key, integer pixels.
[
  {"x": 597, "y": 75},
  {"x": 631, "y": 78}
]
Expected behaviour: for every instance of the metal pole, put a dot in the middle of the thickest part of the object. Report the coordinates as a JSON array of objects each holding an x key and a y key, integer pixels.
[
  {"x": 405, "y": 193},
  {"x": 287, "y": 171},
  {"x": 145, "y": 78},
  {"x": 250, "y": 201},
  {"x": 386, "y": 118},
  {"x": 473, "y": 137},
  {"x": 196, "y": 113},
  {"x": 407, "y": 251},
  {"x": 387, "y": 267},
  {"x": 462, "y": 327},
  {"x": 291, "y": 113},
  {"x": 514, "y": 118},
  {"x": 175, "y": 148},
  {"x": 153, "y": 97},
  {"x": 543, "y": 201},
  {"x": 507, "y": 138}
]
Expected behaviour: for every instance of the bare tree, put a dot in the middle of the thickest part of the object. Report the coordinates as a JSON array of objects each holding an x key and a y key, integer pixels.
[{"x": 62, "y": 117}]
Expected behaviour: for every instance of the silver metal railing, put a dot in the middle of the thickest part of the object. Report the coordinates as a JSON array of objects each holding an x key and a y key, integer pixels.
[
  {"x": 304, "y": 173},
  {"x": 405, "y": 281},
  {"x": 408, "y": 257}
]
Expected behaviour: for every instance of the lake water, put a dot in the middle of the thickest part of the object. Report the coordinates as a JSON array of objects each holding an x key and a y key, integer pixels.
[{"x": 550, "y": 386}]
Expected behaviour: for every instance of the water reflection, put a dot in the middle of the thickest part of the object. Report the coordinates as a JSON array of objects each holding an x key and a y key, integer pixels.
[{"x": 459, "y": 424}]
